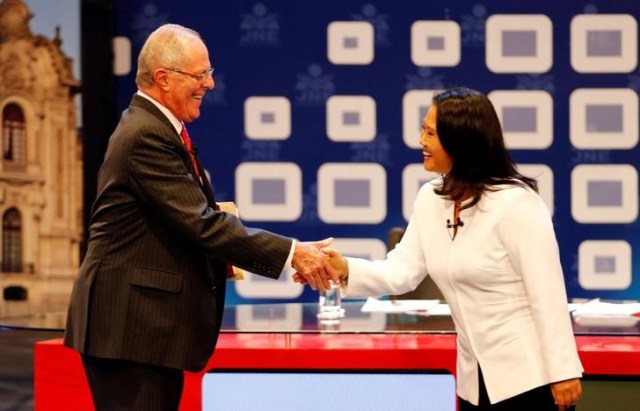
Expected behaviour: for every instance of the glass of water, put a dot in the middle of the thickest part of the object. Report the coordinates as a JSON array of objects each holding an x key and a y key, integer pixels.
[{"x": 330, "y": 303}]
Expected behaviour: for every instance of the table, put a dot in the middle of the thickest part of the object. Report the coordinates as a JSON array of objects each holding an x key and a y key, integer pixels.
[{"x": 289, "y": 336}]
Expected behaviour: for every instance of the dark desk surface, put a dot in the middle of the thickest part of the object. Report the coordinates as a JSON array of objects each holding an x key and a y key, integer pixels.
[{"x": 300, "y": 318}]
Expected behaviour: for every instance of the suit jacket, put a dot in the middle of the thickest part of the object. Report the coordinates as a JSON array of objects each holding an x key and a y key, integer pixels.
[
  {"x": 151, "y": 286},
  {"x": 502, "y": 278}
]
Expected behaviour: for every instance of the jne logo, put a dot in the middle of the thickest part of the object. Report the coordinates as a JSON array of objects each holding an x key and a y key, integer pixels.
[
  {"x": 313, "y": 87},
  {"x": 260, "y": 28}
]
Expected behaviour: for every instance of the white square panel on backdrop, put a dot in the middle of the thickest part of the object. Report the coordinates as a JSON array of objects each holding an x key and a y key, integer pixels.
[
  {"x": 356, "y": 320},
  {"x": 267, "y": 118},
  {"x": 435, "y": 43},
  {"x": 526, "y": 117},
  {"x": 350, "y": 193},
  {"x": 604, "y": 193},
  {"x": 604, "y": 43},
  {"x": 544, "y": 175},
  {"x": 284, "y": 317},
  {"x": 367, "y": 248},
  {"x": 256, "y": 286},
  {"x": 269, "y": 191},
  {"x": 519, "y": 43},
  {"x": 351, "y": 118},
  {"x": 603, "y": 118},
  {"x": 415, "y": 105},
  {"x": 414, "y": 176},
  {"x": 604, "y": 265},
  {"x": 350, "y": 42}
]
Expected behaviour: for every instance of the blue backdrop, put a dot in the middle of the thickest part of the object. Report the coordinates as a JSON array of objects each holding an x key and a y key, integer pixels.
[{"x": 300, "y": 162}]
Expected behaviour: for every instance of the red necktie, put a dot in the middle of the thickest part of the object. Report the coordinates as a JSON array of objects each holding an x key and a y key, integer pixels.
[{"x": 187, "y": 143}]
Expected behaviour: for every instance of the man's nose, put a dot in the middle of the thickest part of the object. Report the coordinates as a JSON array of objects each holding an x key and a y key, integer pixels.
[{"x": 209, "y": 83}]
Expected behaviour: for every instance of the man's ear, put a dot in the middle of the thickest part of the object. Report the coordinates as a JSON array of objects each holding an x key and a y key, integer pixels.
[{"x": 161, "y": 78}]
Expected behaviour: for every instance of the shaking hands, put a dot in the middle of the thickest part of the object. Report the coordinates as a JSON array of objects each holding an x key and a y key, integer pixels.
[{"x": 316, "y": 264}]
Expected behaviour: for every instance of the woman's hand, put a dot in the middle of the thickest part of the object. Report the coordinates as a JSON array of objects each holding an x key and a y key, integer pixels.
[{"x": 566, "y": 393}]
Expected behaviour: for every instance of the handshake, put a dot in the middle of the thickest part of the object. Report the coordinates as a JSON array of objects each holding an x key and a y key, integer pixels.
[{"x": 316, "y": 264}]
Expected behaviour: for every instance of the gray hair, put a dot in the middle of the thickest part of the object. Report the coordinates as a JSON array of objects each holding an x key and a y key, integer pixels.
[{"x": 165, "y": 47}]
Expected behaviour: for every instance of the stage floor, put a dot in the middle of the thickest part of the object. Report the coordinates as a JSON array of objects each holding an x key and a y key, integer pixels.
[{"x": 16, "y": 366}]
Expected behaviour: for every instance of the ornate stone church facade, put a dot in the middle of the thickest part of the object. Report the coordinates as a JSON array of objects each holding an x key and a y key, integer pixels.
[{"x": 40, "y": 164}]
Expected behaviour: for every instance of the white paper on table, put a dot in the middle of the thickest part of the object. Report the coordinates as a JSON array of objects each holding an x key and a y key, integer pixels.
[
  {"x": 398, "y": 306},
  {"x": 597, "y": 308},
  {"x": 439, "y": 309}
]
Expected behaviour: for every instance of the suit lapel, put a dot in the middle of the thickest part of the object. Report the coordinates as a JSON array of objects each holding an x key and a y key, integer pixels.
[{"x": 138, "y": 101}]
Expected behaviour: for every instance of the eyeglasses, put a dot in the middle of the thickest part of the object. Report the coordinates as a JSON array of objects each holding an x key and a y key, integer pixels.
[{"x": 200, "y": 77}]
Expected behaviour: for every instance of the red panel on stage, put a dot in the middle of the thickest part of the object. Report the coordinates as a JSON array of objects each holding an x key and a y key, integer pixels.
[{"x": 60, "y": 380}]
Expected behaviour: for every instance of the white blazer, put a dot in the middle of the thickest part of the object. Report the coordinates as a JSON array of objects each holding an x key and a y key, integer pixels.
[{"x": 502, "y": 279}]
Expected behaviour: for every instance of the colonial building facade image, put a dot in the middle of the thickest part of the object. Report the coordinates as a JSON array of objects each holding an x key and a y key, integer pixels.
[{"x": 40, "y": 165}]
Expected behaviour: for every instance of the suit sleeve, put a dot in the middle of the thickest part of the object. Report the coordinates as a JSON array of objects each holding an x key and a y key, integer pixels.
[{"x": 159, "y": 178}]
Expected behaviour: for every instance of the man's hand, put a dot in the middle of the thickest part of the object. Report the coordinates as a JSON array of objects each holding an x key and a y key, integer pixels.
[
  {"x": 566, "y": 393},
  {"x": 337, "y": 261},
  {"x": 313, "y": 265}
]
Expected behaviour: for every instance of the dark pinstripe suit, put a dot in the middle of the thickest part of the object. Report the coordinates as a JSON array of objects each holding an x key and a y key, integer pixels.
[{"x": 151, "y": 287}]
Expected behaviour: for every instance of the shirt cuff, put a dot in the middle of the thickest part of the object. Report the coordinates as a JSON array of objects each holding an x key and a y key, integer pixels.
[{"x": 288, "y": 268}]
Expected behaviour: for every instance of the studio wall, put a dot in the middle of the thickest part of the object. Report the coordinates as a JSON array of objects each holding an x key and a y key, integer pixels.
[{"x": 313, "y": 126}]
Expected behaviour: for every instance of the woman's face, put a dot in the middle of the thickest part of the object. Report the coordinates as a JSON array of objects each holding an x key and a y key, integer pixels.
[{"x": 435, "y": 158}]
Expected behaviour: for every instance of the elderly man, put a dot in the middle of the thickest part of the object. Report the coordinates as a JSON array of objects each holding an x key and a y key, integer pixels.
[{"x": 148, "y": 300}]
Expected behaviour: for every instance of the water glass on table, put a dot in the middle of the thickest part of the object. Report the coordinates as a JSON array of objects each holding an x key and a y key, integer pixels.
[{"x": 330, "y": 303}]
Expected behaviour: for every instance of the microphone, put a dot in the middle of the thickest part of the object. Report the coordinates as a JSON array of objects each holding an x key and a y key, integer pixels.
[{"x": 458, "y": 223}]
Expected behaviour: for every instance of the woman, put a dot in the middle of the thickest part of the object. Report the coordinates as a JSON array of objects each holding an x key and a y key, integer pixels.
[{"x": 486, "y": 238}]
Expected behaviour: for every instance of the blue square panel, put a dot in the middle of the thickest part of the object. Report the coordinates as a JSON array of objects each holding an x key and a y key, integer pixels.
[
  {"x": 267, "y": 118},
  {"x": 352, "y": 193},
  {"x": 435, "y": 43},
  {"x": 519, "y": 43},
  {"x": 604, "y": 264},
  {"x": 277, "y": 312},
  {"x": 256, "y": 316},
  {"x": 604, "y": 118},
  {"x": 526, "y": 117},
  {"x": 519, "y": 119},
  {"x": 268, "y": 191},
  {"x": 350, "y": 118},
  {"x": 351, "y": 42},
  {"x": 604, "y": 43},
  {"x": 604, "y": 193}
]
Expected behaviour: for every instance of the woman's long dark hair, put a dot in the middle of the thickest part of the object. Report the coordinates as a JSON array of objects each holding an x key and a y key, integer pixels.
[{"x": 470, "y": 132}]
